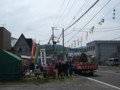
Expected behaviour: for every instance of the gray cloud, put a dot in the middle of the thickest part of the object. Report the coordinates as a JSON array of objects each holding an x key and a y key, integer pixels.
[{"x": 35, "y": 18}]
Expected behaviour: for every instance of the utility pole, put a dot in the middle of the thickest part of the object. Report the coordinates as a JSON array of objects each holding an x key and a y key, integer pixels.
[
  {"x": 63, "y": 45},
  {"x": 53, "y": 42}
]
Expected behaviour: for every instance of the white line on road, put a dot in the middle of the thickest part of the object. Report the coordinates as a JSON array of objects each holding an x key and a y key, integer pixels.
[{"x": 104, "y": 83}]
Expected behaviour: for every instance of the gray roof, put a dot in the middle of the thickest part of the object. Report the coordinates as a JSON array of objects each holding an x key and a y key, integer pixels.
[{"x": 105, "y": 41}]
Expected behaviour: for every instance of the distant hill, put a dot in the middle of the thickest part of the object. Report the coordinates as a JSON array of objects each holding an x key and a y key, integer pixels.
[
  {"x": 12, "y": 38},
  {"x": 59, "y": 47},
  {"x": 49, "y": 48},
  {"x": 83, "y": 47},
  {"x": 56, "y": 47}
]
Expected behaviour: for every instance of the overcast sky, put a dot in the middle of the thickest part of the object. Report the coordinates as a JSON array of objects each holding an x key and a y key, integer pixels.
[{"x": 34, "y": 18}]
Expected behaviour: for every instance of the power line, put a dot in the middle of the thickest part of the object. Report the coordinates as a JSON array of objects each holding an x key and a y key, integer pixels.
[
  {"x": 79, "y": 18},
  {"x": 110, "y": 10},
  {"x": 84, "y": 5},
  {"x": 81, "y": 8},
  {"x": 59, "y": 11},
  {"x": 64, "y": 10},
  {"x": 105, "y": 30},
  {"x": 116, "y": 38},
  {"x": 44, "y": 40},
  {"x": 104, "y": 16},
  {"x": 90, "y": 20},
  {"x": 59, "y": 37},
  {"x": 68, "y": 11},
  {"x": 57, "y": 17},
  {"x": 49, "y": 41},
  {"x": 101, "y": 30},
  {"x": 82, "y": 15},
  {"x": 108, "y": 30}
]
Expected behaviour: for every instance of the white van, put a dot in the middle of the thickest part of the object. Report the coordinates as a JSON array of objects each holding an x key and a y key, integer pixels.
[{"x": 113, "y": 62}]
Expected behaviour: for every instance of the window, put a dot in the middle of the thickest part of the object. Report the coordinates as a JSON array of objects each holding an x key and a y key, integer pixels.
[
  {"x": 87, "y": 48},
  {"x": 116, "y": 60},
  {"x": 118, "y": 48},
  {"x": 20, "y": 50},
  {"x": 93, "y": 47}
]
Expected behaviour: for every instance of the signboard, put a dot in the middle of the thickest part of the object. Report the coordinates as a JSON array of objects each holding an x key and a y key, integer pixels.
[{"x": 43, "y": 57}]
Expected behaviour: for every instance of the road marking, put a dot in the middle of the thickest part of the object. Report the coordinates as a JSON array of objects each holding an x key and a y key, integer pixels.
[{"x": 104, "y": 83}]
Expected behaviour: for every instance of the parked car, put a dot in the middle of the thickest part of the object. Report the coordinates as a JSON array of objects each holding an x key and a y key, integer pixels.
[{"x": 113, "y": 62}]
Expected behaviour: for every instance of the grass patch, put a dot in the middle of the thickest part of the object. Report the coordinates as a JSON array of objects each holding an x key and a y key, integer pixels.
[{"x": 41, "y": 80}]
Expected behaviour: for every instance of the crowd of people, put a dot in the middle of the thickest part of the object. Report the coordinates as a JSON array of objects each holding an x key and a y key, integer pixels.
[
  {"x": 64, "y": 69},
  {"x": 59, "y": 69}
]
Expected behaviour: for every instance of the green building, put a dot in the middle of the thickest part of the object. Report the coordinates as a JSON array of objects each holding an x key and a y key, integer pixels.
[{"x": 10, "y": 66}]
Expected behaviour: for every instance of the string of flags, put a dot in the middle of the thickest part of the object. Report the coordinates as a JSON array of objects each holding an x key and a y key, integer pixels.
[
  {"x": 114, "y": 14},
  {"x": 101, "y": 21},
  {"x": 74, "y": 43},
  {"x": 92, "y": 29},
  {"x": 77, "y": 42},
  {"x": 86, "y": 35}
]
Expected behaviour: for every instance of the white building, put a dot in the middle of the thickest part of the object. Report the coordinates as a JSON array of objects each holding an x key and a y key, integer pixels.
[{"x": 102, "y": 50}]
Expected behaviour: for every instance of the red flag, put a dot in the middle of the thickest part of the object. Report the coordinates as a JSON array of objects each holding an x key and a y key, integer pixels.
[
  {"x": 33, "y": 47},
  {"x": 78, "y": 41},
  {"x": 81, "y": 39},
  {"x": 86, "y": 35},
  {"x": 74, "y": 44},
  {"x": 71, "y": 45},
  {"x": 39, "y": 42}
]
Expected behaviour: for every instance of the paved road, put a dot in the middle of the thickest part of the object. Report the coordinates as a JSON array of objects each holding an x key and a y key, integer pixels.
[
  {"x": 82, "y": 83},
  {"x": 111, "y": 76}
]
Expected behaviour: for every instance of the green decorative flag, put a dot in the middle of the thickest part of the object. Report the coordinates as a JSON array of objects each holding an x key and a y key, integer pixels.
[
  {"x": 92, "y": 29},
  {"x": 100, "y": 23},
  {"x": 102, "y": 20},
  {"x": 71, "y": 45},
  {"x": 90, "y": 32},
  {"x": 78, "y": 42},
  {"x": 86, "y": 35},
  {"x": 114, "y": 14},
  {"x": 81, "y": 40},
  {"x": 114, "y": 10},
  {"x": 74, "y": 44}
]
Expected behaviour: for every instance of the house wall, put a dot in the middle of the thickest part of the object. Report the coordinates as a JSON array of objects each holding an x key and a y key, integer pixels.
[
  {"x": 5, "y": 39},
  {"x": 22, "y": 48},
  {"x": 1, "y": 39},
  {"x": 104, "y": 50}
]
